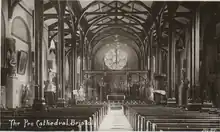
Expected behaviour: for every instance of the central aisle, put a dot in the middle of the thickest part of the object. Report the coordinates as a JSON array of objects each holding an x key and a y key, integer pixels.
[{"x": 115, "y": 120}]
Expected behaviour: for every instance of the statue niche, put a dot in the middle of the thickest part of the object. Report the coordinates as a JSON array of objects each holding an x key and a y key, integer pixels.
[{"x": 11, "y": 57}]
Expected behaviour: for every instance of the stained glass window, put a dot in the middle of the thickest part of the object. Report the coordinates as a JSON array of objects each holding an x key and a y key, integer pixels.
[{"x": 115, "y": 59}]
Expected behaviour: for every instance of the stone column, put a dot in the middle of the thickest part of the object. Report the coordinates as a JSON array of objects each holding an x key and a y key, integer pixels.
[
  {"x": 172, "y": 6},
  {"x": 192, "y": 59},
  {"x": 145, "y": 57},
  {"x": 90, "y": 88},
  {"x": 157, "y": 57},
  {"x": 150, "y": 55},
  {"x": 159, "y": 78},
  {"x": 39, "y": 101},
  {"x": 170, "y": 44},
  {"x": 61, "y": 54},
  {"x": 73, "y": 65},
  {"x": 173, "y": 63},
  {"x": 81, "y": 56},
  {"x": 208, "y": 41},
  {"x": 160, "y": 67},
  {"x": 197, "y": 51},
  {"x": 101, "y": 92},
  {"x": 87, "y": 76}
]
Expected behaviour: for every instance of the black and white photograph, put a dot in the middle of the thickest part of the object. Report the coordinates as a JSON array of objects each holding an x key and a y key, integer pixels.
[{"x": 110, "y": 65}]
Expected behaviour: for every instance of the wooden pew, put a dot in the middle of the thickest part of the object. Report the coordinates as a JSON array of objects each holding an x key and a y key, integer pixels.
[
  {"x": 89, "y": 115},
  {"x": 171, "y": 118},
  {"x": 206, "y": 123},
  {"x": 52, "y": 116}
]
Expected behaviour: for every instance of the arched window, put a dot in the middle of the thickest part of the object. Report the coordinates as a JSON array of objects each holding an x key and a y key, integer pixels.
[{"x": 20, "y": 30}]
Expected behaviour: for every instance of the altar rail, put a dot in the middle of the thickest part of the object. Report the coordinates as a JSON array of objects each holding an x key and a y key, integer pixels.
[{"x": 130, "y": 102}]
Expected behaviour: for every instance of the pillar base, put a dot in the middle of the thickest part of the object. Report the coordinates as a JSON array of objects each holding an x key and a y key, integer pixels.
[
  {"x": 61, "y": 102},
  {"x": 39, "y": 105}
]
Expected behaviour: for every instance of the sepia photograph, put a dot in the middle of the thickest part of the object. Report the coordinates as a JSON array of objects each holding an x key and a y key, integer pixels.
[{"x": 110, "y": 65}]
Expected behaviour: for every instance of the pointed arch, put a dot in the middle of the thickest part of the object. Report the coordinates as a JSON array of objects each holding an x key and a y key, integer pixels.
[{"x": 20, "y": 30}]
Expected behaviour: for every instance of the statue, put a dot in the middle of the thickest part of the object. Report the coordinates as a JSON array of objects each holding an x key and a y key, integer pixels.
[
  {"x": 212, "y": 85},
  {"x": 150, "y": 92},
  {"x": 25, "y": 95},
  {"x": 11, "y": 58},
  {"x": 81, "y": 94},
  {"x": 49, "y": 91},
  {"x": 183, "y": 90}
]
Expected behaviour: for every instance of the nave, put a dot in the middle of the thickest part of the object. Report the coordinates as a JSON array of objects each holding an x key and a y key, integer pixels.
[
  {"x": 105, "y": 117},
  {"x": 63, "y": 62}
]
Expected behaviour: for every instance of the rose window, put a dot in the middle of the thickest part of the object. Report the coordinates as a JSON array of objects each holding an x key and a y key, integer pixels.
[{"x": 115, "y": 59}]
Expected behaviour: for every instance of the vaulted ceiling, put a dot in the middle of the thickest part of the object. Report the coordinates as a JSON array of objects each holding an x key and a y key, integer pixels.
[{"x": 131, "y": 19}]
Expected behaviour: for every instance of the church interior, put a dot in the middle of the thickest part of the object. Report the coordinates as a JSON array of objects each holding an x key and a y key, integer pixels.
[{"x": 116, "y": 65}]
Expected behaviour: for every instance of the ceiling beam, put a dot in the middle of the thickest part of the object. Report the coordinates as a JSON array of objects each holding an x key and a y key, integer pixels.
[
  {"x": 156, "y": 8},
  {"x": 123, "y": 10},
  {"x": 65, "y": 30},
  {"x": 187, "y": 15},
  {"x": 122, "y": 23},
  {"x": 51, "y": 15},
  {"x": 77, "y": 9},
  {"x": 113, "y": 71},
  {"x": 48, "y": 6},
  {"x": 191, "y": 5},
  {"x": 112, "y": 24},
  {"x": 54, "y": 16},
  {"x": 54, "y": 25},
  {"x": 116, "y": 13}
]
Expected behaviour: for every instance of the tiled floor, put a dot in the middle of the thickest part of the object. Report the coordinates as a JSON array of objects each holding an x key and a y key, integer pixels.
[{"x": 115, "y": 120}]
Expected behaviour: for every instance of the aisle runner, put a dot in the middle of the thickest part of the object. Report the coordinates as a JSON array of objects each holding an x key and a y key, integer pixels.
[{"x": 115, "y": 121}]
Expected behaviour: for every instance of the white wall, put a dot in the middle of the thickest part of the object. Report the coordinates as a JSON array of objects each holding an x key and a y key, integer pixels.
[{"x": 21, "y": 45}]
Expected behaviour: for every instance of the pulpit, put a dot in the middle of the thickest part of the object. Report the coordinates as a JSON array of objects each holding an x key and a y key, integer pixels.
[
  {"x": 160, "y": 93},
  {"x": 159, "y": 80},
  {"x": 160, "y": 97}
]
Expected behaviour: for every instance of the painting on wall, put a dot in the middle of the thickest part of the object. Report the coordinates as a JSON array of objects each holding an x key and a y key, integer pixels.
[{"x": 22, "y": 62}]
